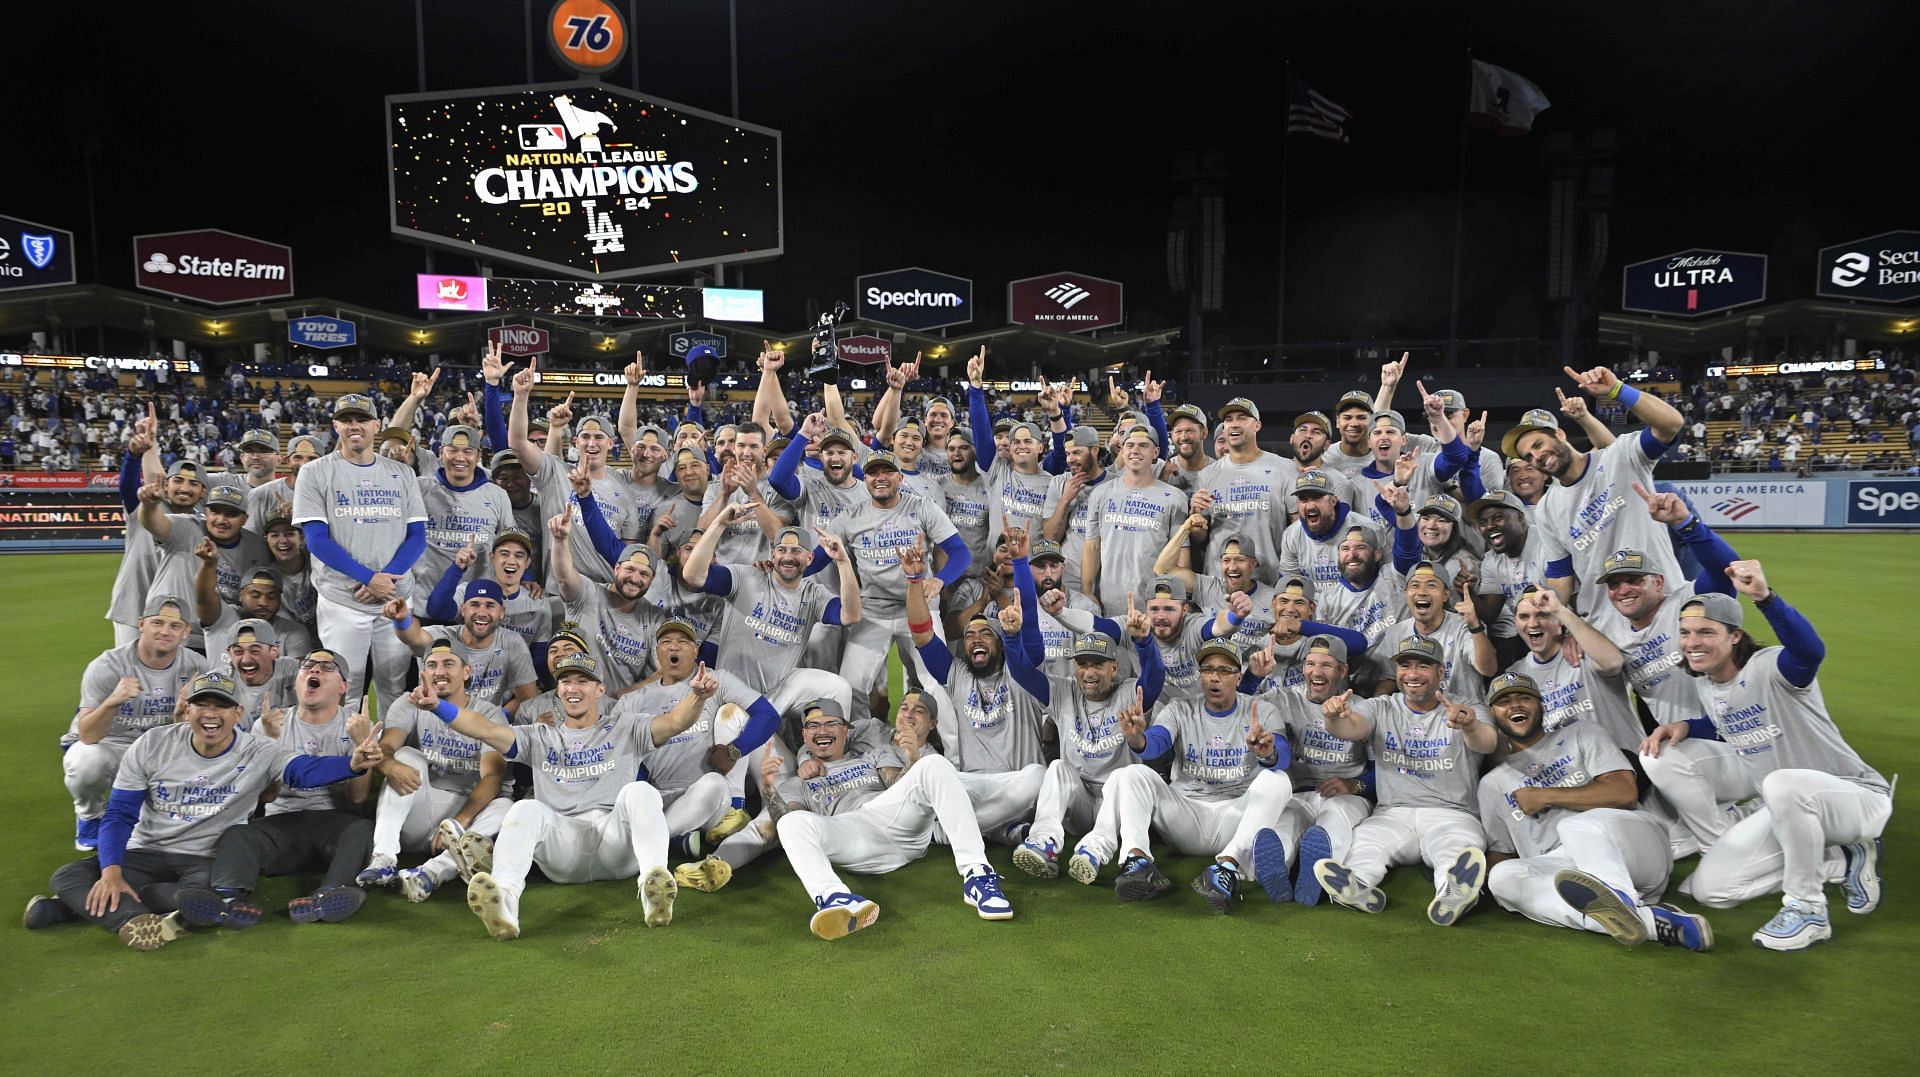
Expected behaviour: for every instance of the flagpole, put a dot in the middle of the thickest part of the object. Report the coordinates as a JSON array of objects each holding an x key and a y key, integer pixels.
[
  {"x": 1280, "y": 305},
  {"x": 1459, "y": 222}
]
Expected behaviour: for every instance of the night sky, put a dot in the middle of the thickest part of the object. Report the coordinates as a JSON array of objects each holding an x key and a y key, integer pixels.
[{"x": 999, "y": 140}]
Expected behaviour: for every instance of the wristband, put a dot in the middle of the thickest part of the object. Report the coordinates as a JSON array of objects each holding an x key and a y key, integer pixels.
[
  {"x": 1691, "y": 523},
  {"x": 446, "y": 711},
  {"x": 922, "y": 626},
  {"x": 1233, "y": 619},
  {"x": 402, "y": 626},
  {"x": 914, "y": 579},
  {"x": 1476, "y": 629}
]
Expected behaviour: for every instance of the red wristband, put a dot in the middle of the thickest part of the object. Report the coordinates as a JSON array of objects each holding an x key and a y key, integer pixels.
[{"x": 923, "y": 626}]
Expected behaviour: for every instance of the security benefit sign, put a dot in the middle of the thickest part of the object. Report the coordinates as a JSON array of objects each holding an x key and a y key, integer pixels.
[
  {"x": 584, "y": 179},
  {"x": 1695, "y": 282},
  {"x": 1884, "y": 268},
  {"x": 34, "y": 255}
]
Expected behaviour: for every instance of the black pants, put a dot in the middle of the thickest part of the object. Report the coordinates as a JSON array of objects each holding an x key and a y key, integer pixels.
[
  {"x": 156, "y": 875},
  {"x": 337, "y": 842}
]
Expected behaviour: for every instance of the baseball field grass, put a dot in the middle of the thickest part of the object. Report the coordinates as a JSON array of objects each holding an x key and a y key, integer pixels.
[{"x": 1075, "y": 982}]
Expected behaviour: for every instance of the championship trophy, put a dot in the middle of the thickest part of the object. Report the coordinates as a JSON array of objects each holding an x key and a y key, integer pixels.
[{"x": 825, "y": 367}]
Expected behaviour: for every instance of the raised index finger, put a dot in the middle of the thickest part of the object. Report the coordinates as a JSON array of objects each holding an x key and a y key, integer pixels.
[{"x": 1642, "y": 491}]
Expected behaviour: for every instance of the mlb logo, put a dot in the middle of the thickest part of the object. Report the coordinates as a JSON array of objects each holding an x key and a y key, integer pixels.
[{"x": 543, "y": 136}]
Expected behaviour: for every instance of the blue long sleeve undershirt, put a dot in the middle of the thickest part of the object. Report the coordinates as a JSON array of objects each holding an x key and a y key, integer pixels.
[
  {"x": 605, "y": 542},
  {"x": 980, "y": 422},
  {"x": 320, "y": 543},
  {"x": 493, "y": 416},
  {"x": 784, "y": 478},
  {"x": 131, "y": 472}
]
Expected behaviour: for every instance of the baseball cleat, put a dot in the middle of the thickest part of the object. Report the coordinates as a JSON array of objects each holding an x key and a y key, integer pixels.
[
  {"x": 150, "y": 931},
  {"x": 381, "y": 870},
  {"x": 489, "y": 901},
  {"x": 1039, "y": 859},
  {"x": 657, "y": 891},
  {"x": 840, "y": 915},
  {"x": 1684, "y": 929},
  {"x": 1219, "y": 884},
  {"x": 86, "y": 835},
  {"x": 1140, "y": 880},
  {"x": 1460, "y": 888},
  {"x": 1315, "y": 845},
  {"x": 43, "y": 911},
  {"x": 327, "y": 905},
  {"x": 1862, "y": 882},
  {"x": 202, "y": 907},
  {"x": 417, "y": 884},
  {"x": 1270, "y": 865},
  {"x": 981, "y": 889},
  {"x": 730, "y": 824},
  {"x": 1794, "y": 927},
  {"x": 472, "y": 853},
  {"x": 685, "y": 846},
  {"x": 1015, "y": 834},
  {"x": 1083, "y": 866},
  {"x": 705, "y": 875},
  {"x": 1340, "y": 885},
  {"x": 1614, "y": 911}
]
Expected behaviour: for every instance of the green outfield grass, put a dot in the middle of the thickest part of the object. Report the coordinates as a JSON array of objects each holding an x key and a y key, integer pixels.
[{"x": 1075, "y": 982}]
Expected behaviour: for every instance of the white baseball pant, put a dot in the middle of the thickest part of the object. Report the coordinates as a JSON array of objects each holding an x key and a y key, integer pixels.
[
  {"x": 354, "y": 630},
  {"x": 1627, "y": 850},
  {"x": 887, "y": 832},
  {"x": 1001, "y": 798},
  {"x": 124, "y": 634},
  {"x": 1782, "y": 848},
  {"x": 864, "y": 661},
  {"x": 1141, "y": 802},
  {"x": 620, "y": 843},
  {"x": 1271, "y": 802},
  {"x": 1064, "y": 800},
  {"x": 1398, "y": 835},
  {"x": 407, "y": 821},
  {"x": 89, "y": 771},
  {"x": 699, "y": 805}
]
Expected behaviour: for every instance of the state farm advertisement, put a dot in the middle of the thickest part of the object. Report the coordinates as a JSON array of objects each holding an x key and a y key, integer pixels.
[{"x": 212, "y": 266}]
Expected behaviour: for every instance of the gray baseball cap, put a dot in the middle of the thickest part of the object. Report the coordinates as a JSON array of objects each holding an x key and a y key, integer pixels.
[
  {"x": 1240, "y": 404},
  {"x": 263, "y": 438},
  {"x": 313, "y": 442},
  {"x": 658, "y": 434},
  {"x": 826, "y": 707},
  {"x": 1442, "y": 505},
  {"x": 229, "y": 498},
  {"x": 1045, "y": 550},
  {"x": 1167, "y": 587},
  {"x": 255, "y": 630},
  {"x": 597, "y": 422},
  {"x": 1328, "y": 645},
  {"x": 1366, "y": 529},
  {"x": 1507, "y": 684},
  {"x": 1537, "y": 419},
  {"x": 1438, "y": 570},
  {"x": 1354, "y": 398},
  {"x": 1033, "y": 430},
  {"x": 188, "y": 468},
  {"x": 1295, "y": 581},
  {"x": 505, "y": 458},
  {"x": 1420, "y": 647},
  {"x": 1094, "y": 645},
  {"x": 460, "y": 436},
  {"x": 354, "y": 404},
  {"x": 1086, "y": 437},
  {"x": 1398, "y": 420},
  {"x": 1715, "y": 606},
  {"x": 1452, "y": 399},
  {"x": 215, "y": 685},
  {"x": 1628, "y": 563}
]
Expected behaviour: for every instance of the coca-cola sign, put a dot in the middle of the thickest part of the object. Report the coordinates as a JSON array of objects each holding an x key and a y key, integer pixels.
[
  {"x": 212, "y": 266},
  {"x": 864, "y": 349},
  {"x": 1695, "y": 282}
]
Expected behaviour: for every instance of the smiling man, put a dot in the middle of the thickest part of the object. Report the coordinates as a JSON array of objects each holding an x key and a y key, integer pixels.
[
  {"x": 276, "y": 496},
  {"x": 500, "y": 668},
  {"x": 178, "y": 538},
  {"x": 464, "y": 508}
]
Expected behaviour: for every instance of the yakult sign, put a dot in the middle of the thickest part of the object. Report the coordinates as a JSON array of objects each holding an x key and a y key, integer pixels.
[{"x": 864, "y": 349}]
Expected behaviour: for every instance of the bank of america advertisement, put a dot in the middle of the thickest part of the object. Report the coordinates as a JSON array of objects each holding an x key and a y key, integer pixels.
[{"x": 582, "y": 178}]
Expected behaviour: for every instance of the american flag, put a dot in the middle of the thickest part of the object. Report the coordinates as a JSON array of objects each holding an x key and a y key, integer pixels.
[{"x": 1308, "y": 112}]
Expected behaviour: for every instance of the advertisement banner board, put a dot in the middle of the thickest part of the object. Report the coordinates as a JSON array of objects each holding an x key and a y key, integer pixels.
[
  {"x": 34, "y": 255},
  {"x": 1694, "y": 282},
  {"x": 1736, "y": 503},
  {"x": 1883, "y": 268},
  {"x": 322, "y": 333},
  {"x": 913, "y": 298},
  {"x": 213, "y": 266},
  {"x": 1066, "y": 302}
]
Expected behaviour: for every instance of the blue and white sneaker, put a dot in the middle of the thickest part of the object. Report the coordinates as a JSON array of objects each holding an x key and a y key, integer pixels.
[
  {"x": 842, "y": 914},
  {"x": 1039, "y": 859},
  {"x": 1862, "y": 883},
  {"x": 202, "y": 907},
  {"x": 981, "y": 889},
  {"x": 382, "y": 870},
  {"x": 1140, "y": 880},
  {"x": 1084, "y": 867},
  {"x": 417, "y": 884},
  {"x": 86, "y": 835},
  {"x": 327, "y": 905},
  {"x": 1794, "y": 927},
  {"x": 1617, "y": 912},
  {"x": 1220, "y": 885},
  {"x": 1459, "y": 888},
  {"x": 1338, "y": 881},
  {"x": 686, "y": 846},
  {"x": 1673, "y": 927},
  {"x": 1015, "y": 834},
  {"x": 1315, "y": 845}
]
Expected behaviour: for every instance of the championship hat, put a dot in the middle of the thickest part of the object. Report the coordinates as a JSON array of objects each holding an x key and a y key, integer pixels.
[
  {"x": 843, "y": 436},
  {"x": 880, "y": 460},
  {"x": 675, "y": 624},
  {"x": 1443, "y": 505},
  {"x": 1045, "y": 550},
  {"x": 1628, "y": 563},
  {"x": 255, "y": 630},
  {"x": 635, "y": 549},
  {"x": 1354, "y": 398},
  {"x": 1422, "y": 648},
  {"x": 1452, "y": 399},
  {"x": 214, "y": 685},
  {"x": 516, "y": 537},
  {"x": 1537, "y": 419},
  {"x": 460, "y": 436},
  {"x": 505, "y": 458},
  {"x": 1188, "y": 412},
  {"x": 185, "y": 467},
  {"x": 1032, "y": 430},
  {"x": 1222, "y": 646},
  {"x": 596, "y": 422},
  {"x": 228, "y": 499},
  {"x": 576, "y": 663},
  {"x": 1240, "y": 404},
  {"x": 1507, "y": 684},
  {"x": 825, "y": 708},
  {"x": 1085, "y": 437},
  {"x": 1094, "y": 645},
  {"x": 1496, "y": 499},
  {"x": 1438, "y": 570},
  {"x": 263, "y": 438},
  {"x": 1167, "y": 587},
  {"x": 354, "y": 404},
  {"x": 1314, "y": 418},
  {"x": 1313, "y": 482},
  {"x": 1295, "y": 582},
  {"x": 570, "y": 631}
]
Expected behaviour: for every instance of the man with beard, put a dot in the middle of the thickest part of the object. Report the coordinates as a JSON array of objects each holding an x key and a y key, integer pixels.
[
  {"x": 1587, "y": 510},
  {"x": 446, "y": 794},
  {"x": 1016, "y": 484},
  {"x": 1764, "y": 731},
  {"x": 1275, "y": 663},
  {"x": 124, "y": 692},
  {"x": 963, "y": 492},
  {"x": 1177, "y": 635},
  {"x": 500, "y": 668},
  {"x": 677, "y": 520},
  {"x": 614, "y": 490},
  {"x": 1354, "y": 450},
  {"x": 259, "y": 599},
  {"x": 1067, "y": 515},
  {"x": 276, "y": 496},
  {"x": 1430, "y": 471},
  {"x": 1244, "y": 492},
  {"x": 1369, "y": 597},
  {"x": 527, "y": 615},
  {"x": 1311, "y": 544},
  {"x": 1188, "y": 436},
  {"x": 1518, "y": 558},
  {"x": 617, "y": 621},
  {"x": 1128, "y": 520},
  {"x": 177, "y": 537},
  {"x": 307, "y": 828},
  {"x": 463, "y": 508},
  {"x": 745, "y": 482},
  {"x": 666, "y": 591},
  {"x": 1467, "y": 654},
  {"x": 287, "y": 553},
  {"x": 820, "y": 496},
  {"x": 1428, "y": 751},
  {"x": 588, "y": 818},
  {"x": 1592, "y": 688},
  {"x": 1062, "y": 615},
  {"x": 259, "y": 459},
  {"x": 646, "y": 445},
  {"x": 1566, "y": 845},
  {"x": 180, "y": 790},
  {"x": 1312, "y": 434},
  {"x": 182, "y": 487}
]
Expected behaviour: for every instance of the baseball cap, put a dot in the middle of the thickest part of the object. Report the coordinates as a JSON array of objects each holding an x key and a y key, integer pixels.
[
  {"x": 484, "y": 588},
  {"x": 652, "y": 430},
  {"x": 686, "y": 453},
  {"x": 1495, "y": 499},
  {"x": 354, "y": 404},
  {"x": 229, "y": 498},
  {"x": 263, "y": 438},
  {"x": 1295, "y": 581},
  {"x": 1354, "y": 398},
  {"x": 1094, "y": 645},
  {"x": 505, "y": 458},
  {"x": 1032, "y": 430},
  {"x": 1317, "y": 418},
  {"x": 1086, "y": 437},
  {"x": 1507, "y": 684},
  {"x": 1452, "y": 399},
  {"x": 910, "y": 423},
  {"x": 1240, "y": 404},
  {"x": 1167, "y": 587},
  {"x": 340, "y": 663},
  {"x": 1045, "y": 550},
  {"x": 1398, "y": 420},
  {"x": 265, "y": 572},
  {"x": 1367, "y": 531},
  {"x": 1439, "y": 572},
  {"x": 517, "y": 537},
  {"x": 393, "y": 433},
  {"x": 1234, "y": 538},
  {"x": 1536, "y": 419},
  {"x": 839, "y": 434},
  {"x": 255, "y": 630},
  {"x": 214, "y": 684},
  {"x": 280, "y": 517},
  {"x": 460, "y": 436},
  {"x": 1312, "y": 482},
  {"x": 1220, "y": 645},
  {"x": 828, "y": 708},
  {"x": 1444, "y": 505},
  {"x": 1427, "y": 650},
  {"x": 1188, "y": 412},
  {"x": 960, "y": 432},
  {"x": 1628, "y": 563},
  {"x": 539, "y": 422},
  {"x": 1328, "y": 645},
  {"x": 1003, "y": 424},
  {"x": 185, "y": 467},
  {"x": 597, "y": 422},
  {"x": 635, "y": 549},
  {"x": 157, "y": 603},
  {"x": 880, "y": 460},
  {"x": 1715, "y": 606},
  {"x": 938, "y": 402},
  {"x": 576, "y": 663},
  {"x": 570, "y": 630},
  {"x": 675, "y": 624},
  {"x": 312, "y": 443},
  {"x": 1143, "y": 432},
  {"x": 1134, "y": 416},
  {"x": 799, "y": 533},
  {"x": 443, "y": 645}
]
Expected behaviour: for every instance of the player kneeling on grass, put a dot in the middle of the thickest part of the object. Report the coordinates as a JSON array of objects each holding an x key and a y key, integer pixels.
[
  {"x": 1427, "y": 751},
  {"x": 178, "y": 789},
  {"x": 444, "y": 792},
  {"x": 1566, "y": 841},
  {"x": 589, "y": 819},
  {"x": 870, "y": 813},
  {"x": 1766, "y": 732}
]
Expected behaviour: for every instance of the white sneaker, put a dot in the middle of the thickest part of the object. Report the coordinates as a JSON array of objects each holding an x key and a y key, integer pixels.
[
  {"x": 657, "y": 891},
  {"x": 495, "y": 907},
  {"x": 381, "y": 870},
  {"x": 1459, "y": 888},
  {"x": 1794, "y": 927}
]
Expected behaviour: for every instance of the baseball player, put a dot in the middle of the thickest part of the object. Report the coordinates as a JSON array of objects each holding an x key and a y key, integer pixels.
[
  {"x": 1468, "y": 656},
  {"x": 183, "y": 489},
  {"x": 1765, "y": 731},
  {"x": 567, "y": 639},
  {"x": 177, "y": 538},
  {"x": 1370, "y": 595},
  {"x": 1487, "y": 465},
  {"x": 1187, "y": 438},
  {"x": 588, "y": 818},
  {"x": 745, "y": 482},
  {"x": 176, "y": 793},
  {"x": 1066, "y": 515},
  {"x": 526, "y": 613},
  {"x": 1237, "y": 603},
  {"x": 1517, "y": 558},
  {"x": 1016, "y": 482},
  {"x": 263, "y": 675},
  {"x": 259, "y": 460},
  {"x": 1177, "y": 635},
  {"x": 1427, "y": 750},
  {"x": 287, "y": 547},
  {"x": 648, "y": 444},
  {"x": 617, "y": 620},
  {"x": 464, "y": 508},
  {"x": 440, "y": 788},
  {"x": 821, "y": 495},
  {"x": 1591, "y": 688},
  {"x": 1057, "y": 607},
  {"x": 677, "y": 520},
  {"x": 125, "y": 691},
  {"x": 964, "y": 494},
  {"x": 366, "y": 525},
  {"x": 500, "y": 668},
  {"x": 1565, "y": 842},
  {"x": 1353, "y": 417},
  {"x": 1311, "y": 543},
  {"x": 1430, "y": 471},
  {"x": 1244, "y": 492},
  {"x": 276, "y": 495},
  {"x": 259, "y": 599},
  {"x": 1311, "y": 437},
  {"x": 870, "y": 814},
  {"x": 1128, "y": 521},
  {"x": 613, "y": 489}
]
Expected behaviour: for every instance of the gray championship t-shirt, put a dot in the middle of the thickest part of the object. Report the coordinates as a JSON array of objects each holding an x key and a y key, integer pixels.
[
  {"x": 1079, "y": 517},
  {"x": 1211, "y": 757},
  {"x": 1091, "y": 740},
  {"x": 1132, "y": 526},
  {"x": 453, "y": 759},
  {"x": 997, "y": 723},
  {"x": 622, "y": 643},
  {"x": 682, "y": 758},
  {"x": 191, "y": 799},
  {"x": 299, "y": 737},
  {"x": 874, "y": 536},
  {"x": 457, "y": 519},
  {"x": 1420, "y": 761},
  {"x": 159, "y": 691},
  {"x": 1599, "y": 513},
  {"x": 763, "y": 634},
  {"x": 576, "y": 771},
  {"x": 1567, "y": 758},
  {"x": 1317, "y": 754},
  {"x": 1249, "y": 500},
  {"x": 1776, "y": 726},
  {"x": 966, "y": 505},
  {"x": 846, "y": 784},
  {"x": 1570, "y": 693},
  {"x": 495, "y": 667},
  {"x": 367, "y": 508}
]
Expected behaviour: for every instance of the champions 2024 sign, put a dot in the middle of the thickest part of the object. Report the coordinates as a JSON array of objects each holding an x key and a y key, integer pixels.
[{"x": 584, "y": 179}]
